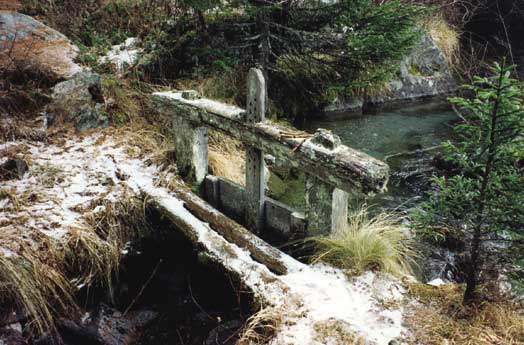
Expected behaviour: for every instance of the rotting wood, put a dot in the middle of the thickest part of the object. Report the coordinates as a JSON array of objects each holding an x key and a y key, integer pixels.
[
  {"x": 266, "y": 286},
  {"x": 341, "y": 166},
  {"x": 255, "y": 165},
  {"x": 233, "y": 232}
]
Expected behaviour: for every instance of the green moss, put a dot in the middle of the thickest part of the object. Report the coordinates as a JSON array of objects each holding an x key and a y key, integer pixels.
[
  {"x": 125, "y": 101},
  {"x": 414, "y": 70},
  {"x": 288, "y": 189}
]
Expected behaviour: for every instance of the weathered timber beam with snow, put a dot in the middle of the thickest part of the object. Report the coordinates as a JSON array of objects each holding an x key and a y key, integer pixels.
[
  {"x": 320, "y": 155},
  {"x": 233, "y": 232},
  {"x": 241, "y": 255}
]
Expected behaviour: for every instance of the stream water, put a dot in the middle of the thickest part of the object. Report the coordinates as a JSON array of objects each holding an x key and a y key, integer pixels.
[{"x": 407, "y": 139}]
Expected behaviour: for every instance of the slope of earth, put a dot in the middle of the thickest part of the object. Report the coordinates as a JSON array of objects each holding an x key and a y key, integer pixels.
[{"x": 55, "y": 239}]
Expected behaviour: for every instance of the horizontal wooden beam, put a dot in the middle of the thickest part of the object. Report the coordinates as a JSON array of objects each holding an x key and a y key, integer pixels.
[
  {"x": 320, "y": 154},
  {"x": 256, "y": 263},
  {"x": 233, "y": 232}
]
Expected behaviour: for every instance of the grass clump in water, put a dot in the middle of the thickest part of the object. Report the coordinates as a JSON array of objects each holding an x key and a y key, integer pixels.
[{"x": 368, "y": 243}]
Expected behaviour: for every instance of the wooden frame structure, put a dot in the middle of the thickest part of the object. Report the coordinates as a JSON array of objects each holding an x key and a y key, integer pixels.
[{"x": 332, "y": 169}]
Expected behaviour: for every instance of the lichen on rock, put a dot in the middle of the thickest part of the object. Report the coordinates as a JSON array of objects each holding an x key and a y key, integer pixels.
[
  {"x": 30, "y": 46},
  {"x": 79, "y": 100}
]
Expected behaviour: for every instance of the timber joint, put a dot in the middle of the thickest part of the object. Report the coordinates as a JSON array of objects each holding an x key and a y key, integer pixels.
[{"x": 332, "y": 169}]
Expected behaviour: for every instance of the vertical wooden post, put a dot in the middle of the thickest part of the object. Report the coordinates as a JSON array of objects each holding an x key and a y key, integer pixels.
[
  {"x": 326, "y": 207},
  {"x": 255, "y": 180},
  {"x": 191, "y": 147}
]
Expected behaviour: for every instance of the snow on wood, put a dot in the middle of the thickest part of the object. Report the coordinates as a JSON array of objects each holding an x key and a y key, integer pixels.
[
  {"x": 312, "y": 297},
  {"x": 340, "y": 166},
  {"x": 68, "y": 177}
]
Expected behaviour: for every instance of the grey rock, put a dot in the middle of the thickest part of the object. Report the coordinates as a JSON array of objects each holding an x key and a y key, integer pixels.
[
  {"x": 353, "y": 105},
  {"x": 10, "y": 336},
  {"x": 80, "y": 101},
  {"x": 29, "y": 45},
  {"x": 326, "y": 138},
  {"x": 423, "y": 74},
  {"x": 13, "y": 169},
  {"x": 109, "y": 327},
  {"x": 190, "y": 94}
]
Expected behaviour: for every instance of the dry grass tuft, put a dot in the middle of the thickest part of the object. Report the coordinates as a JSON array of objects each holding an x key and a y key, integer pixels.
[
  {"x": 442, "y": 319},
  {"x": 32, "y": 279},
  {"x": 92, "y": 257},
  {"x": 142, "y": 139},
  {"x": 228, "y": 87},
  {"x": 261, "y": 327},
  {"x": 445, "y": 37},
  {"x": 39, "y": 274},
  {"x": 12, "y": 198},
  {"x": 335, "y": 332},
  {"x": 11, "y": 130},
  {"x": 227, "y": 157},
  {"x": 48, "y": 175},
  {"x": 376, "y": 243}
]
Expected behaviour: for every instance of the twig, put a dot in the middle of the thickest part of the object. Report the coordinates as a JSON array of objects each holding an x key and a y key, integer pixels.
[
  {"x": 143, "y": 287},
  {"x": 299, "y": 145},
  {"x": 409, "y": 153},
  {"x": 195, "y": 301}
]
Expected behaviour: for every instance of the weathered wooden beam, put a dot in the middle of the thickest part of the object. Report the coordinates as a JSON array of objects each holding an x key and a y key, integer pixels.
[
  {"x": 249, "y": 267},
  {"x": 326, "y": 207},
  {"x": 338, "y": 165},
  {"x": 191, "y": 148},
  {"x": 260, "y": 250},
  {"x": 255, "y": 165}
]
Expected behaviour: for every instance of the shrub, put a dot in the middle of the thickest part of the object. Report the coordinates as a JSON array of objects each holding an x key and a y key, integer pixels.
[{"x": 376, "y": 243}]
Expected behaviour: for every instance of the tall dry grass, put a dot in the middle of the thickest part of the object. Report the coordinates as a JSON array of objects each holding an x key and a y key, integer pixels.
[
  {"x": 262, "y": 326},
  {"x": 368, "y": 242},
  {"x": 446, "y": 37},
  {"x": 227, "y": 157},
  {"x": 441, "y": 318},
  {"x": 35, "y": 285},
  {"x": 39, "y": 274}
]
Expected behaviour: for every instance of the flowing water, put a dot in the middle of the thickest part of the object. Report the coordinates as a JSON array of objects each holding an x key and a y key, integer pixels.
[{"x": 407, "y": 139}]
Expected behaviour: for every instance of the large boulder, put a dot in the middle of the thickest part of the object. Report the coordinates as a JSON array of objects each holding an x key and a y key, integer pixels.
[
  {"x": 10, "y": 5},
  {"x": 80, "y": 101},
  {"x": 423, "y": 74},
  {"x": 28, "y": 46}
]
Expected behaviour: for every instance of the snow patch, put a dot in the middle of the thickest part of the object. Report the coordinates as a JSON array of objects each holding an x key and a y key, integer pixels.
[{"x": 123, "y": 55}]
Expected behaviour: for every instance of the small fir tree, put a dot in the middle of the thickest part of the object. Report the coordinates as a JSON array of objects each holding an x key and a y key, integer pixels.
[{"x": 482, "y": 202}]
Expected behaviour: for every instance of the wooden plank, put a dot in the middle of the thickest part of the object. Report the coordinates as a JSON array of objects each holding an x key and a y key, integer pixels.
[
  {"x": 259, "y": 271},
  {"x": 255, "y": 165},
  {"x": 260, "y": 250},
  {"x": 340, "y": 166}
]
